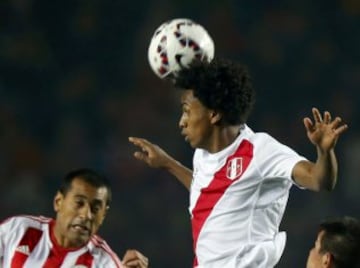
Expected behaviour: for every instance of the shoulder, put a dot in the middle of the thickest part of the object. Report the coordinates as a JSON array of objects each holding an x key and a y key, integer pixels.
[
  {"x": 258, "y": 138},
  {"x": 25, "y": 221},
  {"x": 268, "y": 147},
  {"x": 264, "y": 141},
  {"x": 105, "y": 255}
]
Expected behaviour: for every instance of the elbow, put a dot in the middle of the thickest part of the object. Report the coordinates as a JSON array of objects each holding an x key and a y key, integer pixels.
[
  {"x": 330, "y": 188},
  {"x": 321, "y": 188},
  {"x": 327, "y": 188},
  {"x": 322, "y": 185},
  {"x": 327, "y": 185}
]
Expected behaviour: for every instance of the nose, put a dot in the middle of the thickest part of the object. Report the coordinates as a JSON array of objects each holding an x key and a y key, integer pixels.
[
  {"x": 181, "y": 122},
  {"x": 85, "y": 212}
]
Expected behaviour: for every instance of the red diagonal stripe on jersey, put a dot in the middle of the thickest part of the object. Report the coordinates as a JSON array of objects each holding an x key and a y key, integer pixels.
[
  {"x": 85, "y": 259},
  {"x": 210, "y": 195},
  {"x": 25, "y": 247}
]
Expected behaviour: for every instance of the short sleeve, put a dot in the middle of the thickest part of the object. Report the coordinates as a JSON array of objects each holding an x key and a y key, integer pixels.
[{"x": 276, "y": 160}]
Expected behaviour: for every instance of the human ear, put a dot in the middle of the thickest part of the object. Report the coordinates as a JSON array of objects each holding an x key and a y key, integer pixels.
[
  {"x": 215, "y": 117},
  {"x": 326, "y": 260},
  {"x": 58, "y": 199}
]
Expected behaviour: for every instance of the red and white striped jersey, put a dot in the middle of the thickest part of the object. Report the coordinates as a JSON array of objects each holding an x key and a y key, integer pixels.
[
  {"x": 237, "y": 200},
  {"x": 28, "y": 242}
]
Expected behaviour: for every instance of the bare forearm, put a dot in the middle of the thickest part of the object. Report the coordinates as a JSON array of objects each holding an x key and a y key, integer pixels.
[
  {"x": 323, "y": 132},
  {"x": 321, "y": 175},
  {"x": 326, "y": 169}
]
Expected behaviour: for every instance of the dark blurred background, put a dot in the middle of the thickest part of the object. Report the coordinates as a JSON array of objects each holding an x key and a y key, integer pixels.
[{"x": 75, "y": 83}]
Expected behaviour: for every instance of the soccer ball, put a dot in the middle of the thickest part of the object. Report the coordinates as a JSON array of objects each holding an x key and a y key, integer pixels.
[{"x": 176, "y": 43}]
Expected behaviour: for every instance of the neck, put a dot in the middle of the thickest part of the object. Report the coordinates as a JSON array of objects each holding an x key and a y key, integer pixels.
[
  {"x": 61, "y": 240},
  {"x": 223, "y": 137}
]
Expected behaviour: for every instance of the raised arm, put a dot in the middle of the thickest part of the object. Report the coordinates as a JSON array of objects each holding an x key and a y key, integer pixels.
[
  {"x": 156, "y": 157},
  {"x": 323, "y": 133}
]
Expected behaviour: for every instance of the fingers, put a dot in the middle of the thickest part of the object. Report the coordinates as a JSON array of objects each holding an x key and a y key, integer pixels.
[
  {"x": 136, "y": 264},
  {"x": 144, "y": 144},
  {"x": 317, "y": 115},
  {"x": 139, "y": 155},
  {"x": 134, "y": 259},
  {"x": 327, "y": 117},
  {"x": 139, "y": 142},
  {"x": 308, "y": 124},
  {"x": 336, "y": 125},
  {"x": 341, "y": 129}
]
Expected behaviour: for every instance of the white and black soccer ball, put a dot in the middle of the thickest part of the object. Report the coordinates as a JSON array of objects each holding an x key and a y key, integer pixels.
[{"x": 176, "y": 43}]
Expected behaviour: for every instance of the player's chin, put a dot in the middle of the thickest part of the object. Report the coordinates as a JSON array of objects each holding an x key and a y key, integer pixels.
[
  {"x": 192, "y": 143},
  {"x": 80, "y": 238}
]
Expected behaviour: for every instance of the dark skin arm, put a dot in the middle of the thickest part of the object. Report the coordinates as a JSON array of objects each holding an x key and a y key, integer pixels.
[
  {"x": 156, "y": 157},
  {"x": 323, "y": 132}
]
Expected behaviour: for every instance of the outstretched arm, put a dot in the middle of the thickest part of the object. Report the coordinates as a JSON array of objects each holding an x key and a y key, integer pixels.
[
  {"x": 323, "y": 133},
  {"x": 156, "y": 157}
]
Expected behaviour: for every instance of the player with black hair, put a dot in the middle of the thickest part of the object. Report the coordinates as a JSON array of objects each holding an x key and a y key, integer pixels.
[
  {"x": 240, "y": 180},
  {"x": 70, "y": 240},
  {"x": 337, "y": 244}
]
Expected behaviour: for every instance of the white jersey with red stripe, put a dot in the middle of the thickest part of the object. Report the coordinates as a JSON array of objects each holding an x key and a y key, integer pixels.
[
  {"x": 237, "y": 200},
  {"x": 28, "y": 242}
]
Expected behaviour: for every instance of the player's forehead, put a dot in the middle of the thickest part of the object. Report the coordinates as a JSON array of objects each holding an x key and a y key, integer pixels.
[
  {"x": 187, "y": 98},
  {"x": 82, "y": 189},
  {"x": 319, "y": 238}
]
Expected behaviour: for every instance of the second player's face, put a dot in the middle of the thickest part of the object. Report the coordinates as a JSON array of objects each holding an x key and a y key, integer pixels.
[
  {"x": 195, "y": 121},
  {"x": 79, "y": 213},
  {"x": 316, "y": 259}
]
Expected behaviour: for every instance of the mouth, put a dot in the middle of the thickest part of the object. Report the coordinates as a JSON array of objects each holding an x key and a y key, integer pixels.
[
  {"x": 186, "y": 137},
  {"x": 81, "y": 228}
]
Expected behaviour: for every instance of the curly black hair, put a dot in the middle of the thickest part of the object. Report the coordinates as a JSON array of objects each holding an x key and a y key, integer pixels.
[{"x": 222, "y": 85}]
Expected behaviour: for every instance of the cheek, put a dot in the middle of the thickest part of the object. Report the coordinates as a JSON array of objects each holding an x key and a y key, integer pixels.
[
  {"x": 63, "y": 221},
  {"x": 198, "y": 125},
  {"x": 67, "y": 214},
  {"x": 309, "y": 262},
  {"x": 98, "y": 219},
  {"x": 97, "y": 223},
  {"x": 313, "y": 259}
]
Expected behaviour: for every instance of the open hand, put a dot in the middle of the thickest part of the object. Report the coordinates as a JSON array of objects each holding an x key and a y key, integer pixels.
[{"x": 324, "y": 132}]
